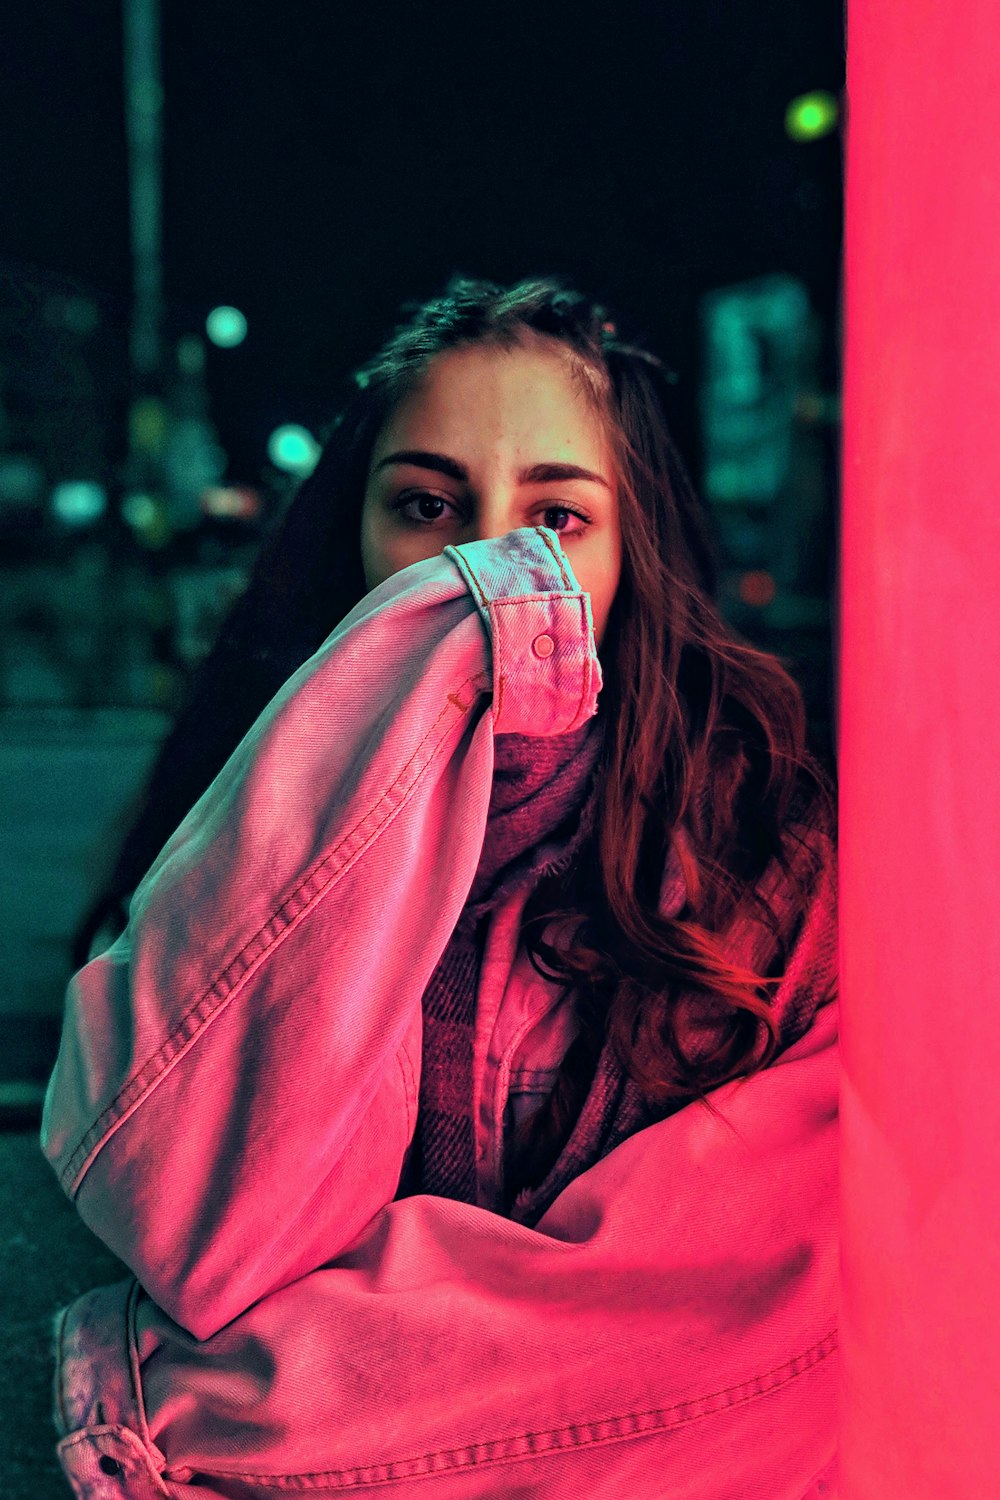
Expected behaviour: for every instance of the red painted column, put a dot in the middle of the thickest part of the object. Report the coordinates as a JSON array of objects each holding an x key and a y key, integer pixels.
[{"x": 919, "y": 750}]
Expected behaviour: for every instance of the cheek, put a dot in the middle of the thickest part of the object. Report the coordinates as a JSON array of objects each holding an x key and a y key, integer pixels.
[
  {"x": 601, "y": 576},
  {"x": 374, "y": 560},
  {"x": 607, "y": 579},
  {"x": 379, "y": 540},
  {"x": 598, "y": 584},
  {"x": 385, "y": 550}
]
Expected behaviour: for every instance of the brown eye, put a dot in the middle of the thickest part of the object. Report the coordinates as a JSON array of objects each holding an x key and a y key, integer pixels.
[
  {"x": 567, "y": 510},
  {"x": 425, "y": 499}
]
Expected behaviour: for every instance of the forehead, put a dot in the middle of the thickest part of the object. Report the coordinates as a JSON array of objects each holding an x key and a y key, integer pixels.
[{"x": 525, "y": 398}]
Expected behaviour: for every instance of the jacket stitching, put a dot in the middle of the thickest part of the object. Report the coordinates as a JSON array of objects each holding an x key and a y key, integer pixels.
[
  {"x": 501, "y": 1094},
  {"x": 409, "y": 1084},
  {"x": 557, "y": 1439},
  {"x": 498, "y": 655},
  {"x": 463, "y": 565},
  {"x": 60, "y": 1353},
  {"x": 555, "y": 556},
  {"x": 127, "y": 1438},
  {"x": 528, "y": 1078},
  {"x": 298, "y": 904},
  {"x": 588, "y": 674},
  {"x": 496, "y": 635},
  {"x": 135, "y": 1368}
]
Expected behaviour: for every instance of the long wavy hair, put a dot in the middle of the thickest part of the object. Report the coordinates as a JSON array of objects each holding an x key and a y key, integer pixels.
[{"x": 703, "y": 732}]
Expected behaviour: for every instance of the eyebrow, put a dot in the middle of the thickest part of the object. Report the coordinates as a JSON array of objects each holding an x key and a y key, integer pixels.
[{"x": 533, "y": 474}]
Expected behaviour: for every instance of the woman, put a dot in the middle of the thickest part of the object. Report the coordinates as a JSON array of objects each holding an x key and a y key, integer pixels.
[{"x": 462, "y": 1092}]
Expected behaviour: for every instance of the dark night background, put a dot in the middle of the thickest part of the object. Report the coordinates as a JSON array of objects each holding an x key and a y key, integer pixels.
[{"x": 322, "y": 164}]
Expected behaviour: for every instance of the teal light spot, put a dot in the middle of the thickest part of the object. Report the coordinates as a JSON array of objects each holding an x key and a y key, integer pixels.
[
  {"x": 78, "y": 502},
  {"x": 293, "y": 449},
  {"x": 226, "y": 327}
]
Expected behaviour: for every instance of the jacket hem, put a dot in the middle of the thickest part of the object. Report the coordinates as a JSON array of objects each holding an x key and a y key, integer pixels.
[{"x": 558, "y": 1440}]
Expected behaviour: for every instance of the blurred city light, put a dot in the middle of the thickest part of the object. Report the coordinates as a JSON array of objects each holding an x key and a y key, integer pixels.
[
  {"x": 77, "y": 314},
  {"x": 811, "y": 116},
  {"x": 757, "y": 588},
  {"x": 226, "y": 327},
  {"x": 147, "y": 516},
  {"x": 148, "y": 424},
  {"x": 140, "y": 511},
  {"x": 77, "y": 502},
  {"x": 22, "y": 480},
  {"x": 190, "y": 353},
  {"x": 293, "y": 449},
  {"x": 237, "y": 502},
  {"x": 757, "y": 336}
]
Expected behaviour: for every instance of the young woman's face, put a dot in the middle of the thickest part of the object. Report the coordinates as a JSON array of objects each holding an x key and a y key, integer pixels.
[{"x": 491, "y": 440}]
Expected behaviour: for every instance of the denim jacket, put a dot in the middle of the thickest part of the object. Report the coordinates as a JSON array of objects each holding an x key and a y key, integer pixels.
[{"x": 237, "y": 1086}]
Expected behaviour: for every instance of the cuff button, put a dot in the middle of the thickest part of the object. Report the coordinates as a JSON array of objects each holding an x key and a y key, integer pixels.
[{"x": 543, "y": 645}]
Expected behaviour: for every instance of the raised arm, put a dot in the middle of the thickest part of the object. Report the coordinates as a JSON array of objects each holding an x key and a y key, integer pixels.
[{"x": 237, "y": 1079}]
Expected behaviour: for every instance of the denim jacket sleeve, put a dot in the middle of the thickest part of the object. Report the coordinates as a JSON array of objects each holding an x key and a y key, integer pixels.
[
  {"x": 668, "y": 1328},
  {"x": 234, "y": 1091}
]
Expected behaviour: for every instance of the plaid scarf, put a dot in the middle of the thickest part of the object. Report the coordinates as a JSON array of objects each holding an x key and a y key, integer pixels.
[
  {"x": 535, "y": 826},
  {"x": 534, "y": 830}
]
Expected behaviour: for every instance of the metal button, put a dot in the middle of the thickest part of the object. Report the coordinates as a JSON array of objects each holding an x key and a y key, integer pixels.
[
  {"x": 109, "y": 1465},
  {"x": 543, "y": 645}
]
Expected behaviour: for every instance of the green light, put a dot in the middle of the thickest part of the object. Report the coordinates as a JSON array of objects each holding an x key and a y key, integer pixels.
[
  {"x": 226, "y": 327},
  {"x": 140, "y": 511},
  {"x": 293, "y": 449},
  {"x": 811, "y": 116},
  {"x": 79, "y": 501}
]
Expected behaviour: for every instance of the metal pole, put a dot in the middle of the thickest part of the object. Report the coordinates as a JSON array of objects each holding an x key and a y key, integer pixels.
[
  {"x": 919, "y": 730},
  {"x": 143, "y": 109}
]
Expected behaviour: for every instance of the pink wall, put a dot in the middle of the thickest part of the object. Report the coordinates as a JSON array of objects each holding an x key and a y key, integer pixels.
[{"x": 919, "y": 754}]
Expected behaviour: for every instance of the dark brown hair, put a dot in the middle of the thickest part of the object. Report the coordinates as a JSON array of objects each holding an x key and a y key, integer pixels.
[{"x": 703, "y": 732}]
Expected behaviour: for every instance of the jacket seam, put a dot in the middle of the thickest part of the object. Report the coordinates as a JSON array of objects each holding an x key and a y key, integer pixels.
[
  {"x": 409, "y": 1090},
  {"x": 297, "y": 905},
  {"x": 501, "y": 1094},
  {"x": 500, "y": 676},
  {"x": 499, "y": 655},
  {"x": 552, "y": 1441},
  {"x": 529, "y": 1078},
  {"x": 60, "y": 1355},
  {"x": 468, "y": 568},
  {"x": 135, "y": 1368},
  {"x": 588, "y": 674},
  {"x": 124, "y": 1435},
  {"x": 555, "y": 556}
]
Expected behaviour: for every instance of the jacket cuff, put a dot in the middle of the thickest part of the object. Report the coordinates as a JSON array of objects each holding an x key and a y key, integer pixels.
[
  {"x": 541, "y": 629},
  {"x": 104, "y": 1445}
]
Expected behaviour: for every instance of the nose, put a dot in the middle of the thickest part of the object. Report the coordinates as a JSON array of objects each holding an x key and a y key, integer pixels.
[{"x": 495, "y": 514}]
